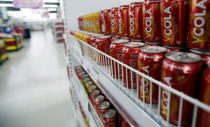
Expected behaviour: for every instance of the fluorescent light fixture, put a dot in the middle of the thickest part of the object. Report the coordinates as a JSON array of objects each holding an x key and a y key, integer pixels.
[
  {"x": 6, "y": 5},
  {"x": 51, "y": 6}
]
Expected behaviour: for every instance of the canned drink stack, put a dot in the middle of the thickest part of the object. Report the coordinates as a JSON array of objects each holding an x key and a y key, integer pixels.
[
  {"x": 199, "y": 21},
  {"x": 174, "y": 19},
  {"x": 180, "y": 71},
  {"x": 116, "y": 52},
  {"x": 135, "y": 20},
  {"x": 107, "y": 21},
  {"x": 149, "y": 62},
  {"x": 114, "y": 21},
  {"x": 130, "y": 57},
  {"x": 151, "y": 21},
  {"x": 102, "y": 21},
  {"x": 110, "y": 118},
  {"x": 103, "y": 107},
  {"x": 123, "y": 20}
]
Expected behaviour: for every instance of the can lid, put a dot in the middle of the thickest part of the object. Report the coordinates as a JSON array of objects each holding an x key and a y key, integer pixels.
[
  {"x": 183, "y": 57},
  {"x": 125, "y": 38},
  {"x": 105, "y": 36},
  {"x": 134, "y": 44},
  {"x": 92, "y": 87},
  {"x": 200, "y": 52},
  {"x": 95, "y": 92},
  {"x": 124, "y": 6},
  {"x": 153, "y": 49},
  {"x": 153, "y": 1},
  {"x": 89, "y": 83},
  {"x": 120, "y": 41},
  {"x": 115, "y": 8},
  {"x": 111, "y": 113},
  {"x": 104, "y": 105},
  {"x": 99, "y": 98},
  {"x": 152, "y": 42}
]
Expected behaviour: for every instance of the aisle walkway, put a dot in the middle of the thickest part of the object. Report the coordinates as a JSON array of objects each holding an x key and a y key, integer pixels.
[{"x": 34, "y": 88}]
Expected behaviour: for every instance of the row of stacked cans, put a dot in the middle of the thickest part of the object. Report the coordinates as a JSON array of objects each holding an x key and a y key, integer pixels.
[
  {"x": 90, "y": 22},
  {"x": 104, "y": 108},
  {"x": 179, "y": 24},
  {"x": 179, "y": 70}
]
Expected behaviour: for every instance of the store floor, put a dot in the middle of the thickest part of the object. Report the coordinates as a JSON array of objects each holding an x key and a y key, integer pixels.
[{"x": 34, "y": 88}]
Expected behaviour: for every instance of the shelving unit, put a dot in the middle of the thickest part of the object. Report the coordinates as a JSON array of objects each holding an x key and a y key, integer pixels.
[{"x": 126, "y": 101}]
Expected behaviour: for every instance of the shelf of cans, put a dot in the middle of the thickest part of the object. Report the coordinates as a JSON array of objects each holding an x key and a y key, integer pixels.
[
  {"x": 177, "y": 24},
  {"x": 101, "y": 104},
  {"x": 59, "y": 31},
  {"x": 166, "y": 84},
  {"x": 3, "y": 52},
  {"x": 13, "y": 41}
]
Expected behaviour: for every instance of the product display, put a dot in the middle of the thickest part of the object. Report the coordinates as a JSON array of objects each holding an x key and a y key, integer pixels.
[
  {"x": 3, "y": 52},
  {"x": 148, "y": 59}
]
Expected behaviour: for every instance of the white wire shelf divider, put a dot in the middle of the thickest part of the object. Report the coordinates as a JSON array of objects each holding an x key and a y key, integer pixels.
[{"x": 106, "y": 67}]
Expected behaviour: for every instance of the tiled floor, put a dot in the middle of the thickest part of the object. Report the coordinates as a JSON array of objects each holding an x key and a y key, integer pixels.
[{"x": 34, "y": 88}]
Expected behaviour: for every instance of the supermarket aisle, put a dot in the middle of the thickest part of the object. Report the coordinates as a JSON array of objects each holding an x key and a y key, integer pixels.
[{"x": 34, "y": 87}]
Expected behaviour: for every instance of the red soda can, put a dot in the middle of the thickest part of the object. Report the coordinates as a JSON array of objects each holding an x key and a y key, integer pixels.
[
  {"x": 102, "y": 21},
  {"x": 135, "y": 20},
  {"x": 173, "y": 49},
  {"x": 199, "y": 21},
  {"x": 125, "y": 123},
  {"x": 149, "y": 62},
  {"x": 203, "y": 116},
  {"x": 94, "y": 94},
  {"x": 205, "y": 56},
  {"x": 130, "y": 57},
  {"x": 123, "y": 20},
  {"x": 114, "y": 21},
  {"x": 98, "y": 100},
  {"x": 180, "y": 71},
  {"x": 107, "y": 21},
  {"x": 174, "y": 19},
  {"x": 103, "y": 43},
  {"x": 116, "y": 52},
  {"x": 103, "y": 107},
  {"x": 151, "y": 21},
  {"x": 110, "y": 118}
]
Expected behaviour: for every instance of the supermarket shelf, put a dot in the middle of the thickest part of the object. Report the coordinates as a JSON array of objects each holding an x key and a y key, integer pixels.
[
  {"x": 89, "y": 110},
  {"x": 130, "y": 111},
  {"x": 133, "y": 110}
]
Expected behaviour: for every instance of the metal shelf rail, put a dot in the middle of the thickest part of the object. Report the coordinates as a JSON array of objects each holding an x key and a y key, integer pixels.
[{"x": 109, "y": 67}]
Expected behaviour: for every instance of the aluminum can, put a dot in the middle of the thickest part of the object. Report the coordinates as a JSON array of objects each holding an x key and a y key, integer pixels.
[
  {"x": 114, "y": 21},
  {"x": 103, "y": 43},
  {"x": 116, "y": 52},
  {"x": 135, "y": 20},
  {"x": 107, "y": 21},
  {"x": 205, "y": 56},
  {"x": 88, "y": 84},
  {"x": 137, "y": 40},
  {"x": 149, "y": 62},
  {"x": 173, "y": 49},
  {"x": 180, "y": 71},
  {"x": 98, "y": 100},
  {"x": 203, "y": 116},
  {"x": 123, "y": 20},
  {"x": 130, "y": 53},
  {"x": 124, "y": 123},
  {"x": 174, "y": 19},
  {"x": 199, "y": 21},
  {"x": 103, "y": 107},
  {"x": 110, "y": 118},
  {"x": 151, "y": 21},
  {"x": 102, "y": 21},
  {"x": 94, "y": 94},
  {"x": 91, "y": 88}
]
